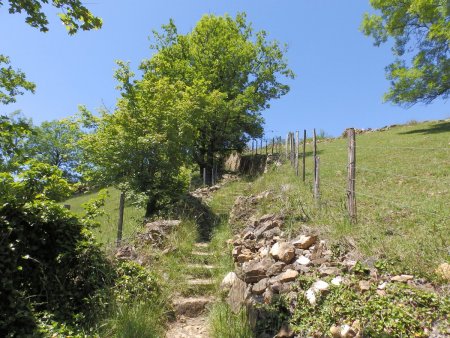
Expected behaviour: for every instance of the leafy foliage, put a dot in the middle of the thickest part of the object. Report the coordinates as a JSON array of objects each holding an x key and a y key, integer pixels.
[
  {"x": 48, "y": 258},
  {"x": 416, "y": 26},
  {"x": 232, "y": 73},
  {"x": 403, "y": 312},
  {"x": 12, "y": 82},
  {"x": 56, "y": 143},
  {"x": 74, "y": 14},
  {"x": 143, "y": 145},
  {"x": 14, "y": 133}
]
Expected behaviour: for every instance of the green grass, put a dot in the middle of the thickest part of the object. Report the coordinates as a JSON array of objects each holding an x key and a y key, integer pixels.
[
  {"x": 106, "y": 233},
  {"x": 403, "y": 194}
]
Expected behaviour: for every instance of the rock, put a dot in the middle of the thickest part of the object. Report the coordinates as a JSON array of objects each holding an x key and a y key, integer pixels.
[
  {"x": 260, "y": 287},
  {"x": 303, "y": 260},
  {"x": 319, "y": 261},
  {"x": 311, "y": 296},
  {"x": 328, "y": 271},
  {"x": 254, "y": 271},
  {"x": 364, "y": 285},
  {"x": 237, "y": 294},
  {"x": 162, "y": 226},
  {"x": 283, "y": 251},
  {"x": 381, "y": 293},
  {"x": 336, "y": 281},
  {"x": 402, "y": 278},
  {"x": 285, "y": 331},
  {"x": 191, "y": 307},
  {"x": 271, "y": 233},
  {"x": 268, "y": 296},
  {"x": 347, "y": 331},
  {"x": 443, "y": 271},
  {"x": 304, "y": 242},
  {"x": 275, "y": 269},
  {"x": 228, "y": 281},
  {"x": 287, "y": 276},
  {"x": 321, "y": 286},
  {"x": 126, "y": 253},
  {"x": 382, "y": 286},
  {"x": 335, "y": 331},
  {"x": 245, "y": 256}
]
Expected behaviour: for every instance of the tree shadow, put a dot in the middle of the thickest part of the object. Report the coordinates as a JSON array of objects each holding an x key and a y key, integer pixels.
[{"x": 442, "y": 127}]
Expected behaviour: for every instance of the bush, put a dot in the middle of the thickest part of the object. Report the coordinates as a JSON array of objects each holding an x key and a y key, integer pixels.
[{"x": 48, "y": 258}]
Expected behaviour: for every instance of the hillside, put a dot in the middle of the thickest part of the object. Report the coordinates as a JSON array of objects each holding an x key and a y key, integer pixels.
[{"x": 402, "y": 181}]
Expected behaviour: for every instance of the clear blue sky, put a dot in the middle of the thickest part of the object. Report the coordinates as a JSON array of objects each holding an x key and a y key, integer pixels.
[{"x": 340, "y": 74}]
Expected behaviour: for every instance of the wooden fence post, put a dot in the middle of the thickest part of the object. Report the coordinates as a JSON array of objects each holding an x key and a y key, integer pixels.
[
  {"x": 120, "y": 222},
  {"x": 287, "y": 140},
  {"x": 297, "y": 138},
  {"x": 317, "y": 181},
  {"x": 273, "y": 143},
  {"x": 314, "y": 152},
  {"x": 304, "y": 154},
  {"x": 267, "y": 151},
  {"x": 293, "y": 150},
  {"x": 204, "y": 176},
  {"x": 351, "y": 175}
]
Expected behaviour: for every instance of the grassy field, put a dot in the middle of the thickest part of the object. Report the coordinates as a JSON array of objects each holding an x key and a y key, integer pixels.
[
  {"x": 403, "y": 195},
  {"x": 107, "y": 232}
]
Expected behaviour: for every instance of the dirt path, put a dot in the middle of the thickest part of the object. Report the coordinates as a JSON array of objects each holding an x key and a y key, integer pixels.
[{"x": 192, "y": 309}]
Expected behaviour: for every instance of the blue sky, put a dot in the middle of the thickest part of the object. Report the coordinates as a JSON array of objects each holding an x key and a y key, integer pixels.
[{"x": 340, "y": 74}]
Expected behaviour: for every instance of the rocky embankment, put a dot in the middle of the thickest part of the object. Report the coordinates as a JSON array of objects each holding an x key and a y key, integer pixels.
[{"x": 268, "y": 263}]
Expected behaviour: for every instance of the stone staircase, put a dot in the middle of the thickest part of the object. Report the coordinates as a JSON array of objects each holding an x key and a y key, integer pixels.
[{"x": 191, "y": 306}]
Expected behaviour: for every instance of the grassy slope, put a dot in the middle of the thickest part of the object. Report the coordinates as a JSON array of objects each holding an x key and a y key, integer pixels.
[
  {"x": 403, "y": 194},
  {"x": 107, "y": 232}
]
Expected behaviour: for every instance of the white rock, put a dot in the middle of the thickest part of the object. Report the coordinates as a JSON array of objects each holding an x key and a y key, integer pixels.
[
  {"x": 275, "y": 249},
  {"x": 320, "y": 285},
  {"x": 347, "y": 331},
  {"x": 303, "y": 260},
  {"x": 336, "y": 281},
  {"x": 228, "y": 281},
  {"x": 382, "y": 286},
  {"x": 264, "y": 252},
  {"x": 311, "y": 296}
]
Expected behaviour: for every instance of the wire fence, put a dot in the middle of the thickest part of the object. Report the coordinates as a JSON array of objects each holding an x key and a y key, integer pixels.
[{"x": 384, "y": 177}]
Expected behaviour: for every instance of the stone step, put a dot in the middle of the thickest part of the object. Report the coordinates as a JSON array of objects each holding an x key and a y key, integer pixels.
[
  {"x": 199, "y": 257},
  {"x": 201, "y": 253},
  {"x": 200, "y": 270},
  {"x": 201, "y": 245},
  {"x": 199, "y": 286},
  {"x": 191, "y": 306}
]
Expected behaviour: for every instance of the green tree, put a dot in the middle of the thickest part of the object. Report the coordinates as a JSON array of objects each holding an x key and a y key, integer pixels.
[
  {"x": 56, "y": 143},
  {"x": 233, "y": 73},
  {"x": 74, "y": 15},
  {"x": 421, "y": 33},
  {"x": 14, "y": 133},
  {"x": 143, "y": 146}
]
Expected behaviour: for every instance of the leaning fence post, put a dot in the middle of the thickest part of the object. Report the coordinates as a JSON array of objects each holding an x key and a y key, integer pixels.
[
  {"x": 317, "y": 181},
  {"x": 304, "y": 154},
  {"x": 351, "y": 175},
  {"x": 120, "y": 222}
]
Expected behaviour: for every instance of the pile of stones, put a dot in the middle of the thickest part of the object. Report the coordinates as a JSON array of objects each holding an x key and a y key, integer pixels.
[{"x": 267, "y": 263}]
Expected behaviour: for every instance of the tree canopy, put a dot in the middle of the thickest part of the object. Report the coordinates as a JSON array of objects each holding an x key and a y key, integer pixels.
[
  {"x": 74, "y": 15},
  {"x": 421, "y": 33},
  {"x": 56, "y": 143},
  {"x": 233, "y": 72}
]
